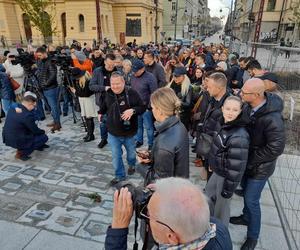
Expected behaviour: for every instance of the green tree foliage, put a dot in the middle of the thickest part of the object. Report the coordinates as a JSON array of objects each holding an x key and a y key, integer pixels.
[{"x": 36, "y": 11}]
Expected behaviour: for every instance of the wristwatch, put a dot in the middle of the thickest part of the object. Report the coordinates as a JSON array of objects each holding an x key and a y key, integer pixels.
[{"x": 133, "y": 111}]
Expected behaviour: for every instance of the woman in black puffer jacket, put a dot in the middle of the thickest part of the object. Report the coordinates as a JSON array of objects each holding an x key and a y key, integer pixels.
[{"x": 228, "y": 158}]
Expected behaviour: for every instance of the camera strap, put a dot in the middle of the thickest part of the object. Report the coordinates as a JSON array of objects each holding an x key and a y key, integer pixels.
[{"x": 136, "y": 224}]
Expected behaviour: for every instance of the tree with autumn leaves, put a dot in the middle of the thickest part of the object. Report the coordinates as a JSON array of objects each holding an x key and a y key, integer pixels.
[{"x": 38, "y": 13}]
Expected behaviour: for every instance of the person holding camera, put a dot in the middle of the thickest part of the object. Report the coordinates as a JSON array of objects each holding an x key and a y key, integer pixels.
[
  {"x": 177, "y": 213},
  {"x": 47, "y": 76},
  {"x": 122, "y": 106}
]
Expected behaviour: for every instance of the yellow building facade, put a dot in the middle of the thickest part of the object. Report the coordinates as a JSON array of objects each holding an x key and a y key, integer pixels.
[{"x": 74, "y": 19}]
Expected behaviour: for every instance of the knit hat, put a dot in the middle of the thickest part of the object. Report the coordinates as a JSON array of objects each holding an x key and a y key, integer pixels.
[{"x": 80, "y": 56}]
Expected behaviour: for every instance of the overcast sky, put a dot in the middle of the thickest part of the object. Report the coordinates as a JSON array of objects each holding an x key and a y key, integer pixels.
[{"x": 216, "y": 5}]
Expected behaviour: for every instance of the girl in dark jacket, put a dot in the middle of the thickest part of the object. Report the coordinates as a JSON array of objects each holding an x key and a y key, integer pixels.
[
  {"x": 86, "y": 100},
  {"x": 228, "y": 158}
]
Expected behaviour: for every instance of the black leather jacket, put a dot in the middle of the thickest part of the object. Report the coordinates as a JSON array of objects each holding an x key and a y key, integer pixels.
[
  {"x": 213, "y": 115},
  {"x": 267, "y": 138},
  {"x": 229, "y": 152},
  {"x": 47, "y": 74},
  {"x": 170, "y": 152}
]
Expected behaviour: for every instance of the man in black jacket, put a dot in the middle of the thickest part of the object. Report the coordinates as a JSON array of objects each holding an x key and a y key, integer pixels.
[
  {"x": 99, "y": 84},
  {"x": 145, "y": 84},
  {"x": 156, "y": 69},
  {"x": 47, "y": 76},
  {"x": 217, "y": 89},
  {"x": 20, "y": 121},
  {"x": 122, "y": 106},
  {"x": 178, "y": 216},
  {"x": 267, "y": 137}
]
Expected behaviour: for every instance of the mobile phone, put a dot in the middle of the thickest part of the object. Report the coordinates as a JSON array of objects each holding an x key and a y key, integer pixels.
[{"x": 142, "y": 155}]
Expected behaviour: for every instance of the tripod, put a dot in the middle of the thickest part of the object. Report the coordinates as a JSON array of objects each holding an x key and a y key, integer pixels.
[
  {"x": 31, "y": 83},
  {"x": 65, "y": 83}
]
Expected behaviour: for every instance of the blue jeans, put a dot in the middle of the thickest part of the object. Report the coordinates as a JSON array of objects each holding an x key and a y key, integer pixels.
[
  {"x": 103, "y": 128},
  {"x": 39, "y": 113},
  {"x": 38, "y": 142},
  {"x": 251, "y": 211},
  {"x": 145, "y": 120},
  {"x": 116, "y": 143},
  {"x": 67, "y": 99},
  {"x": 6, "y": 105},
  {"x": 52, "y": 99}
]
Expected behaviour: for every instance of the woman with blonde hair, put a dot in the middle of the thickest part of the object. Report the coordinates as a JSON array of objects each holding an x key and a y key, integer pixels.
[
  {"x": 182, "y": 87},
  {"x": 170, "y": 151},
  {"x": 86, "y": 100}
]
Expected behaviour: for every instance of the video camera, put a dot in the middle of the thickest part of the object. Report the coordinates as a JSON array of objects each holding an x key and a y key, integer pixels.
[
  {"x": 63, "y": 60},
  {"x": 25, "y": 59}
]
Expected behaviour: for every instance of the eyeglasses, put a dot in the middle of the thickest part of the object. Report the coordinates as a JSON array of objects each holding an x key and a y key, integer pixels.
[
  {"x": 148, "y": 218},
  {"x": 245, "y": 93}
]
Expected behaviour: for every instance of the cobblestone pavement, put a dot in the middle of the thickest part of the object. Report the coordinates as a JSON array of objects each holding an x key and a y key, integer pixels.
[{"x": 43, "y": 203}]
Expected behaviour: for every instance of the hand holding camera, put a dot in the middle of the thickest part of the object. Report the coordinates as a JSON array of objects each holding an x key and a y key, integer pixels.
[{"x": 123, "y": 208}]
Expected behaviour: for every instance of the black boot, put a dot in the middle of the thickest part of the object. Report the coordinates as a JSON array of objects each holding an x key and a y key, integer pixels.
[
  {"x": 90, "y": 130},
  {"x": 249, "y": 244}
]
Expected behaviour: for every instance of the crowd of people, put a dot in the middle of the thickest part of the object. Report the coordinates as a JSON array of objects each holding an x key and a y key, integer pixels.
[{"x": 228, "y": 105}]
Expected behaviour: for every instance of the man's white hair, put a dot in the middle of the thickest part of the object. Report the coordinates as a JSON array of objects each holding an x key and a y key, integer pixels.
[{"x": 183, "y": 207}]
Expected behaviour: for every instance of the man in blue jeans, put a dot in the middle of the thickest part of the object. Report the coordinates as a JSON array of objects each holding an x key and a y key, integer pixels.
[
  {"x": 145, "y": 84},
  {"x": 47, "y": 76},
  {"x": 122, "y": 106},
  {"x": 20, "y": 121},
  {"x": 267, "y": 136}
]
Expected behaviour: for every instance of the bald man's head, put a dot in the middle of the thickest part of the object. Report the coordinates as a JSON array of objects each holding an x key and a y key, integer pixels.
[
  {"x": 253, "y": 91},
  {"x": 255, "y": 85}
]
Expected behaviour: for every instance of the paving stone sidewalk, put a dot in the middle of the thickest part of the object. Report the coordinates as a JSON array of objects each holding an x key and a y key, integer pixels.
[{"x": 43, "y": 203}]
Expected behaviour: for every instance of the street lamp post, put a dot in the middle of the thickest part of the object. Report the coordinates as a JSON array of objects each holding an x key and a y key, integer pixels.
[{"x": 156, "y": 27}]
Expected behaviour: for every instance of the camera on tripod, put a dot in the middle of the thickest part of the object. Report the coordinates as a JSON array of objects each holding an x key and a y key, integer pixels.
[
  {"x": 25, "y": 59},
  {"x": 63, "y": 60}
]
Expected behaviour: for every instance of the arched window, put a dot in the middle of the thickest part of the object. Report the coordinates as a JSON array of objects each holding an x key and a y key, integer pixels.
[
  {"x": 81, "y": 23},
  {"x": 27, "y": 27}
]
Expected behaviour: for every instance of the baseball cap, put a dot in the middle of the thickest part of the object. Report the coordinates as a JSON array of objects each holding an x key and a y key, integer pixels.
[
  {"x": 137, "y": 65},
  {"x": 179, "y": 71}
]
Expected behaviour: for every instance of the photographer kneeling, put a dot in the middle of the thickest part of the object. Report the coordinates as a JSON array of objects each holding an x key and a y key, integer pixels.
[{"x": 178, "y": 216}]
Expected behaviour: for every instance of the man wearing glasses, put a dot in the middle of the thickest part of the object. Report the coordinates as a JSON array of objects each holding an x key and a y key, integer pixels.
[
  {"x": 267, "y": 136},
  {"x": 178, "y": 216},
  {"x": 20, "y": 121}
]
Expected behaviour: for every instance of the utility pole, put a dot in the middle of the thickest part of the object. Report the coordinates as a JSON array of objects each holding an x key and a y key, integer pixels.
[
  {"x": 279, "y": 23},
  {"x": 257, "y": 28},
  {"x": 176, "y": 13},
  {"x": 156, "y": 27},
  {"x": 99, "y": 30}
]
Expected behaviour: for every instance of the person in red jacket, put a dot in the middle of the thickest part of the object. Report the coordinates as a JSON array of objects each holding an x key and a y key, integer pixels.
[{"x": 82, "y": 62}]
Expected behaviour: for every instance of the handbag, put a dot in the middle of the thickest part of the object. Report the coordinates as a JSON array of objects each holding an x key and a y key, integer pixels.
[
  {"x": 14, "y": 84},
  {"x": 203, "y": 144},
  {"x": 204, "y": 140}
]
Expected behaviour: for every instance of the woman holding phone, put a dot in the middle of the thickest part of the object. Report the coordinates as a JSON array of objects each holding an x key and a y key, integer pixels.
[{"x": 170, "y": 152}]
